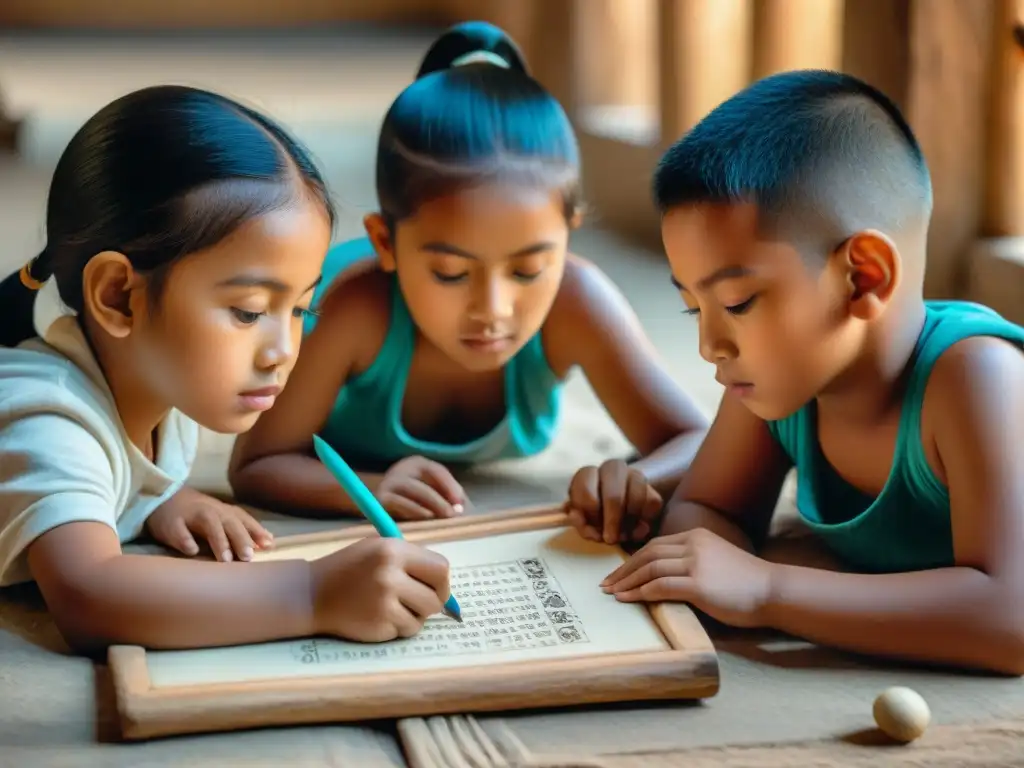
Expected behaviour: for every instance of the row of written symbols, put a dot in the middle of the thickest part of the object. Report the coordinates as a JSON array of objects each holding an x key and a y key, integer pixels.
[{"x": 312, "y": 654}]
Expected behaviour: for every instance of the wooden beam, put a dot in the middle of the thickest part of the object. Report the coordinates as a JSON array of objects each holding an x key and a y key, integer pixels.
[
  {"x": 8, "y": 128},
  {"x": 797, "y": 34},
  {"x": 704, "y": 58},
  {"x": 948, "y": 105},
  {"x": 617, "y": 64},
  {"x": 1004, "y": 162},
  {"x": 550, "y": 49}
]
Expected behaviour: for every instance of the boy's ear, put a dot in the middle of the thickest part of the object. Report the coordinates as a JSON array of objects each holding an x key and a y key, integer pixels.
[
  {"x": 871, "y": 269},
  {"x": 380, "y": 236},
  {"x": 111, "y": 292}
]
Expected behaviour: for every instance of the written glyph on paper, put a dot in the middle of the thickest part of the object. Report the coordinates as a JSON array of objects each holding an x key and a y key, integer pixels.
[
  {"x": 531, "y": 595},
  {"x": 505, "y": 607}
]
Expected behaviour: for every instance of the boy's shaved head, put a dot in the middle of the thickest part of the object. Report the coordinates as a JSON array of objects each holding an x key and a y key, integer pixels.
[{"x": 821, "y": 154}]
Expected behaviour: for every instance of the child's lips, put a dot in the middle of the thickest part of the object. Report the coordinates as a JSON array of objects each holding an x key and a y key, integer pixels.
[
  {"x": 260, "y": 399},
  {"x": 735, "y": 386},
  {"x": 488, "y": 343}
]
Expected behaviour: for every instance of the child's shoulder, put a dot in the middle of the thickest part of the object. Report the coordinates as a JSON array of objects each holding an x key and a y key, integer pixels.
[
  {"x": 975, "y": 390},
  {"x": 37, "y": 372},
  {"x": 356, "y": 312},
  {"x": 972, "y": 366},
  {"x": 587, "y": 301},
  {"x": 972, "y": 346},
  {"x": 46, "y": 398}
]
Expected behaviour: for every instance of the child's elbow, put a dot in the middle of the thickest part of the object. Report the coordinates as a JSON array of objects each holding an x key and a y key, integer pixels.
[
  {"x": 1010, "y": 664},
  {"x": 1006, "y": 646},
  {"x": 1010, "y": 659},
  {"x": 77, "y": 625},
  {"x": 85, "y": 644}
]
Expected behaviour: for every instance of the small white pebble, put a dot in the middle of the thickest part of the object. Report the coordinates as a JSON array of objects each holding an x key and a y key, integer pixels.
[{"x": 902, "y": 714}]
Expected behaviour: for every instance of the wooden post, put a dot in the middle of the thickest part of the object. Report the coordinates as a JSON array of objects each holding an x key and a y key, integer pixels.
[
  {"x": 551, "y": 49},
  {"x": 617, "y": 63},
  {"x": 797, "y": 34},
  {"x": 8, "y": 128},
  {"x": 1004, "y": 209},
  {"x": 704, "y": 58}
]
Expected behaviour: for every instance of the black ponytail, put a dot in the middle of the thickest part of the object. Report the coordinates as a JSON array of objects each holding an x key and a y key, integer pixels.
[
  {"x": 156, "y": 175},
  {"x": 17, "y": 300}
]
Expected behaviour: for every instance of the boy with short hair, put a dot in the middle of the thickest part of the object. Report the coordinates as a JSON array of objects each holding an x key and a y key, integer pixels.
[{"x": 795, "y": 220}]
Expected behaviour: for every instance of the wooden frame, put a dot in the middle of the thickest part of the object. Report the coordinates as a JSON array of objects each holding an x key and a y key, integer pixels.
[{"x": 686, "y": 669}]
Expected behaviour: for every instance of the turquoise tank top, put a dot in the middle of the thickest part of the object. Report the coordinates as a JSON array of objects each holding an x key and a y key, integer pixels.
[
  {"x": 365, "y": 422},
  {"x": 908, "y": 526}
]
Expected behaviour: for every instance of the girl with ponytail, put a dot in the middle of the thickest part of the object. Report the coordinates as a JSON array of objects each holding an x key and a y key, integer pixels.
[
  {"x": 185, "y": 235},
  {"x": 447, "y": 332}
]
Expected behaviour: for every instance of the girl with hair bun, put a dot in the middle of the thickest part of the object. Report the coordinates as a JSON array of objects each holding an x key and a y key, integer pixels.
[{"x": 445, "y": 334}]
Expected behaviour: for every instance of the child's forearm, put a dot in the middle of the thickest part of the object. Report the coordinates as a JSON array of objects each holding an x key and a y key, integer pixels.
[
  {"x": 295, "y": 483},
  {"x": 687, "y": 516},
  {"x": 163, "y": 602},
  {"x": 955, "y": 616},
  {"x": 664, "y": 466}
]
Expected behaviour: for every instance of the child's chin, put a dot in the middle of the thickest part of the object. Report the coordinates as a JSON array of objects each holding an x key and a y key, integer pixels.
[
  {"x": 231, "y": 423},
  {"x": 770, "y": 411}
]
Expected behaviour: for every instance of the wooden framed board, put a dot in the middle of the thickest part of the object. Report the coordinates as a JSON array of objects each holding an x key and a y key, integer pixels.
[{"x": 538, "y": 632}]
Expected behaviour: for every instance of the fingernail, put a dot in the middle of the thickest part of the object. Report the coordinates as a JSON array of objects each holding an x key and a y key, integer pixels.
[
  {"x": 226, "y": 555},
  {"x": 247, "y": 553},
  {"x": 191, "y": 548},
  {"x": 457, "y": 508}
]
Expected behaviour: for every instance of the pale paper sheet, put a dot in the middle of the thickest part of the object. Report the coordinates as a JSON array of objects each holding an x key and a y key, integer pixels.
[{"x": 529, "y": 595}]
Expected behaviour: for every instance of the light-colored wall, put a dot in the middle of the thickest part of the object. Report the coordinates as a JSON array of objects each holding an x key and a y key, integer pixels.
[{"x": 220, "y": 13}]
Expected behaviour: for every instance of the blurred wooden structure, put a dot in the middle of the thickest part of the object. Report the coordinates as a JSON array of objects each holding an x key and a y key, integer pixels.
[
  {"x": 8, "y": 128},
  {"x": 635, "y": 74},
  {"x": 952, "y": 66}
]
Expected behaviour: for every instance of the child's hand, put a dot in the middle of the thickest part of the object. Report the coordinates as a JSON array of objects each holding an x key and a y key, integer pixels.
[
  {"x": 612, "y": 503},
  {"x": 700, "y": 568},
  {"x": 229, "y": 530},
  {"x": 416, "y": 488},
  {"x": 378, "y": 589}
]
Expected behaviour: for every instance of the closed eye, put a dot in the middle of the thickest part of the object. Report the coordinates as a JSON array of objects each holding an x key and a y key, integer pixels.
[
  {"x": 443, "y": 278},
  {"x": 527, "y": 277},
  {"x": 743, "y": 307}
]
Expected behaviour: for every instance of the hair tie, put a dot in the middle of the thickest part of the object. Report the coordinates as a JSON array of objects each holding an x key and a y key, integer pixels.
[
  {"x": 477, "y": 57},
  {"x": 27, "y": 280}
]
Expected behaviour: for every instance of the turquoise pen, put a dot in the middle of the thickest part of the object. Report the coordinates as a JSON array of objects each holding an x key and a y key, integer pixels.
[{"x": 368, "y": 505}]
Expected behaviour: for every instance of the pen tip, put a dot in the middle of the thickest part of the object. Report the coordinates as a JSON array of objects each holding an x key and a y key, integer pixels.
[{"x": 453, "y": 614}]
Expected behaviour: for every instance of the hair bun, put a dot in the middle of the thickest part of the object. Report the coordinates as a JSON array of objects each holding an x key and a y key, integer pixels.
[{"x": 472, "y": 42}]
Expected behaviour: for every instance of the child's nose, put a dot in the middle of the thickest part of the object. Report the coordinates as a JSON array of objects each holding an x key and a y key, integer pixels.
[
  {"x": 716, "y": 344},
  {"x": 493, "y": 301},
  {"x": 277, "y": 349}
]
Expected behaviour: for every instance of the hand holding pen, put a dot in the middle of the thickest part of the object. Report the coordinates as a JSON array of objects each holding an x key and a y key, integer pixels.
[{"x": 371, "y": 508}]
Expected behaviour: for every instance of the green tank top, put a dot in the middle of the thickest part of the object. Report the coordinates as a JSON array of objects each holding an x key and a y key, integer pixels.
[
  {"x": 365, "y": 422},
  {"x": 908, "y": 526}
]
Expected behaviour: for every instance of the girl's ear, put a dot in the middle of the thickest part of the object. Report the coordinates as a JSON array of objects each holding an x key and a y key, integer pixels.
[
  {"x": 111, "y": 290},
  {"x": 380, "y": 237}
]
